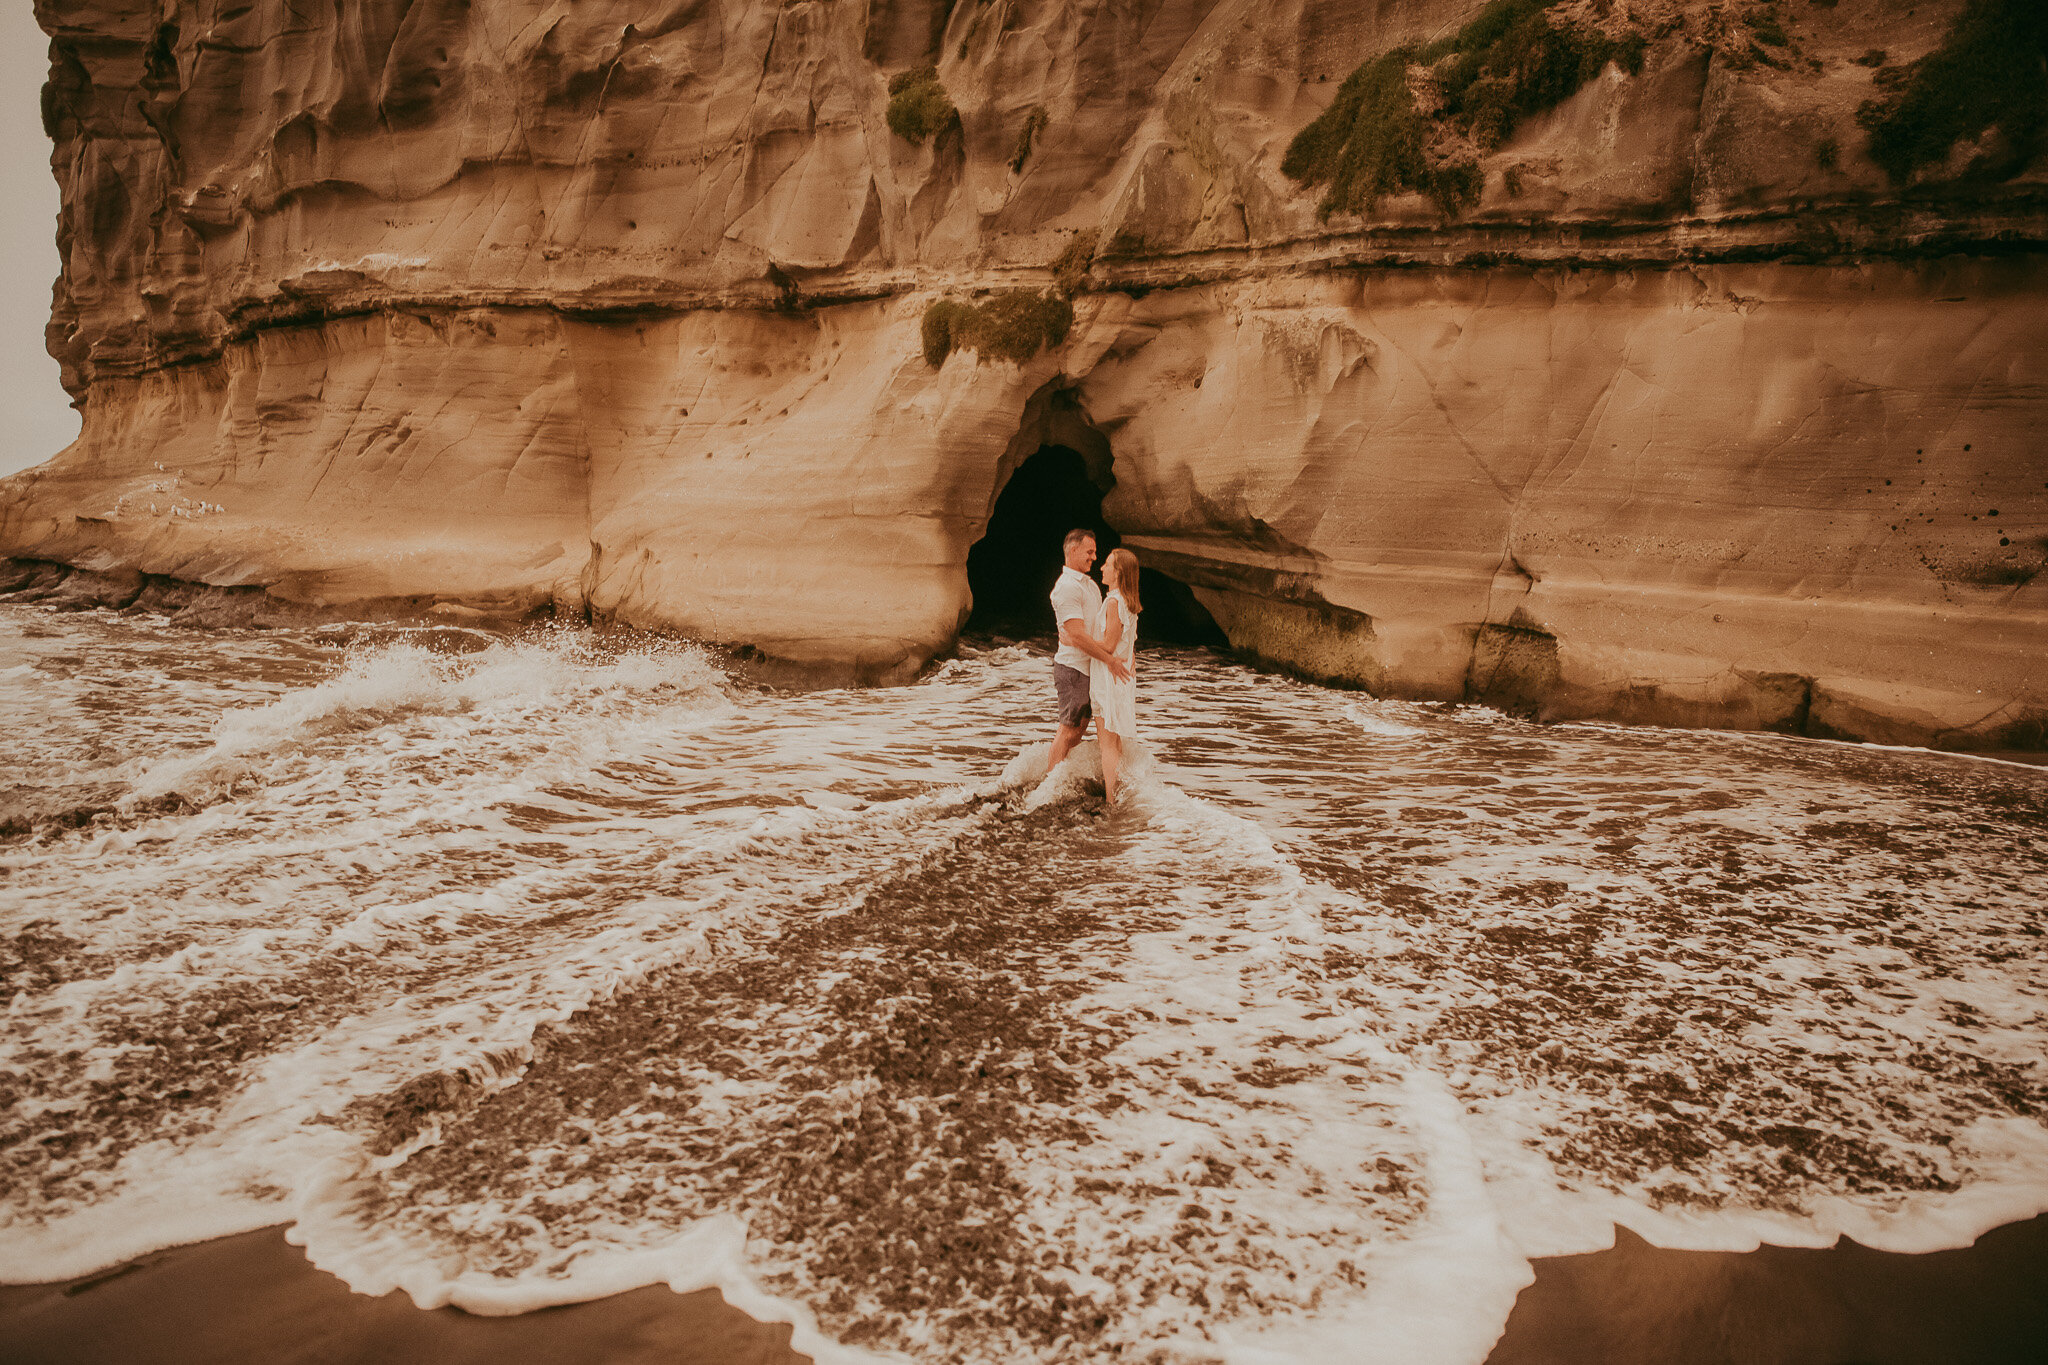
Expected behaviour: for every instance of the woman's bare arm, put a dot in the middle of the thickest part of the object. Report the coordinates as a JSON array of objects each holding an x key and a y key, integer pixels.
[{"x": 1112, "y": 625}]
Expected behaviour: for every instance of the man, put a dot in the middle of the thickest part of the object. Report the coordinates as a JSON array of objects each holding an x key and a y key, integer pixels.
[{"x": 1077, "y": 607}]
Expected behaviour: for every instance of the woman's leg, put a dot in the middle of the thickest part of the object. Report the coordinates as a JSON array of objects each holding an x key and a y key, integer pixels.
[{"x": 1112, "y": 746}]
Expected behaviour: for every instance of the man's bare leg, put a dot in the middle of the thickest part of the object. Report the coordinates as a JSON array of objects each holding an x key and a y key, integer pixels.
[{"x": 1064, "y": 738}]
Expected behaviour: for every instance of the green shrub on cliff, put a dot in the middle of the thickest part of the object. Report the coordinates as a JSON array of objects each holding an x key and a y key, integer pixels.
[
  {"x": 1990, "y": 71},
  {"x": 1508, "y": 63},
  {"x": 946, "y": 324},
  {"x": 1014, "y": 325},
  {"x": 1511, "y": 63},
  {"x": 1368, "y": 143},
  {"x": 918, "y": 104}
]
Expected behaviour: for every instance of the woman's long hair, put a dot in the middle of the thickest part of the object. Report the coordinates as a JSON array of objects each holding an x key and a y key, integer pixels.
[{"x": 1121, "y": 569}]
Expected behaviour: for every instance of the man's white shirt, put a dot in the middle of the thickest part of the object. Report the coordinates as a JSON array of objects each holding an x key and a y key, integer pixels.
[{"x": 1074, "y": 597}]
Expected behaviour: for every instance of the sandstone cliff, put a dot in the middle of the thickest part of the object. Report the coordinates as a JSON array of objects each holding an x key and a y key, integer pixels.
[{"x": 1663, "y": 400}]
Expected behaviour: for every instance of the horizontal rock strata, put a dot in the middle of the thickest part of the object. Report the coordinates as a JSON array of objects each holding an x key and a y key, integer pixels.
[{"x": 1693, "y": 416}]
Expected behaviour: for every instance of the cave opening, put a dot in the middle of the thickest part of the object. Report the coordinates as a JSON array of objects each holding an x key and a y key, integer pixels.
[{"x": 1011, "y": 569}]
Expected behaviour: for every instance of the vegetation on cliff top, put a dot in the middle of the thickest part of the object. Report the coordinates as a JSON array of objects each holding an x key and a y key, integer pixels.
[
  {"x": 918, "y": 104},
  {"x": 1014, "y": 325},
  {"x": 1991, "y": 71},
  {"x": 1510, "y": 62}
]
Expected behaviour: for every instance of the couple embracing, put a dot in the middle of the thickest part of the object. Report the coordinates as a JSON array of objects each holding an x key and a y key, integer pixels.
[{"x": 1091, "y": 671}]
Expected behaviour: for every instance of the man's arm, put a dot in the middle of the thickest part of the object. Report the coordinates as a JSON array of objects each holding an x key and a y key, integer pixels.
[{"x": 1076, "y": 634}]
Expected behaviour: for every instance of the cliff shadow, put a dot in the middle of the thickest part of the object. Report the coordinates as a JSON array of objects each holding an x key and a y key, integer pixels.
[{"x": 1063, "y": 468}]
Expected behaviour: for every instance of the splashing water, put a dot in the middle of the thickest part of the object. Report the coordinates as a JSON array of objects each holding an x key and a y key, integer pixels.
[{"x": 518, "y": 972}]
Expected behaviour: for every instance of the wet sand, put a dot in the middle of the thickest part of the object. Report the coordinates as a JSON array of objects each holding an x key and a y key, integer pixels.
[
  {"x": 1636, "y": 1304},
  {"x": 254, "y": 1299}
]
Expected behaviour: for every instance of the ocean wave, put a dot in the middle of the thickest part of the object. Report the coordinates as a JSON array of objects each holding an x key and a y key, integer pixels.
[
  {"x": 1384, "y": 719},
  {"x": 390, "y": 683}
]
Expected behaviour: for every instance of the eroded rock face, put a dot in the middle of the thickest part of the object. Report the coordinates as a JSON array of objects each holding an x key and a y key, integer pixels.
[
  {"x": 1693, "y": 416},
  {"x": 1737, "y": 495}
]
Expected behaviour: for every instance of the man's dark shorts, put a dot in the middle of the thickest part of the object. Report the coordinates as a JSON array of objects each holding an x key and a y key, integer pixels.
[{"x": 1072, "y": 686}]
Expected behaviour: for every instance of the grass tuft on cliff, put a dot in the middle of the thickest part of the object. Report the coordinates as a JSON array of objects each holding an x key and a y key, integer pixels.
[
  {"x": 1014, "y": 325},
  {"x": 1991, "y": 71},
  {"x": 1509, "y": 63},
  {"x": 918, "y": 104}
]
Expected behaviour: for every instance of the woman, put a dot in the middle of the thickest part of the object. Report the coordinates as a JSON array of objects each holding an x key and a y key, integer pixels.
[{"x": 1116, "y": 703}]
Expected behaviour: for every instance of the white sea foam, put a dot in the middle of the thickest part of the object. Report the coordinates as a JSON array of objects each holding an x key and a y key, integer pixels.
[
  {"x": 392, "y": 683},
  {"x": 1385, "y": 719},
  {"x": 709, "y": 1254},
  {"x": 1373, "y": 1221}
]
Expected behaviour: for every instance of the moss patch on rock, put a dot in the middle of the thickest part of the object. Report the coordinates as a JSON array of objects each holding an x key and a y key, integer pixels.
[
  {"x": 1991, "y": 72},
  {"x": 1034, "y": 124},
  {"x": 918, "y": 104},
  {"x": 1070, "y": 268},
  {"x": 1415, "y": 118},
  {"x": 1014, "y": 325}
]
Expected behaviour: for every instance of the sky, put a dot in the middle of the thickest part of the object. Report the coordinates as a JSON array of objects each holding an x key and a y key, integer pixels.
[{"x": 36, "y": 420}]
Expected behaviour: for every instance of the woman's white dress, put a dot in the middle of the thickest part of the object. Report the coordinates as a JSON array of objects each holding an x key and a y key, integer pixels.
[{"x": 1116, "y": 703}]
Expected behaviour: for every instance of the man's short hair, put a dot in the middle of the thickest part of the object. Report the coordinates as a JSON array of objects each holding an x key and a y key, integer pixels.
[{"x": 1075, "y": 537}]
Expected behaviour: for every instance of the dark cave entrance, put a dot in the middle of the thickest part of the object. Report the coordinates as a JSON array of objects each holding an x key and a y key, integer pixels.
[{"x": 1011, "y": 569}]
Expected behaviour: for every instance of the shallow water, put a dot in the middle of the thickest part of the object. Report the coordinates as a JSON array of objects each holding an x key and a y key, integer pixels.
[{"x": 515, "y": 972}]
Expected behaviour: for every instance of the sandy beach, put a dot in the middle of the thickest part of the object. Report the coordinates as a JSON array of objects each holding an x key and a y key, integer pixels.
[{"x": 254, "y": 1298}]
